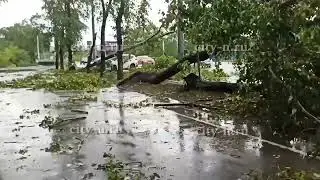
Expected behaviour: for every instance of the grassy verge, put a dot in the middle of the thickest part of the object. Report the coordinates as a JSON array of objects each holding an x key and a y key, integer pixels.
[
  {"x": 285, "y": 173},
  {"x": 63, "y": 80}
]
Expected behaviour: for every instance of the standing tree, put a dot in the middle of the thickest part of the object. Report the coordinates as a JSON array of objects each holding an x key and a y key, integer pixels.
[
  {"x": 105, "y": 14},
  {"x": 283, "y": 60},
  {"x": 119, "y": 39},
  {"x": 66, "y": 25},
  {"x": 93, "y": 25}
]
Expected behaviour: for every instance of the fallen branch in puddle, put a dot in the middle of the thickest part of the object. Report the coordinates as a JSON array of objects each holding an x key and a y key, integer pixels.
[
  {"x": 82, "y": 141},
  {"x": 183, "y": 104},
  {"x": 171, "y": 104},
  {"x": 79, "y": 111},
  {"x": 65, "y": 122},
  {"x": 247, "y": 135}
]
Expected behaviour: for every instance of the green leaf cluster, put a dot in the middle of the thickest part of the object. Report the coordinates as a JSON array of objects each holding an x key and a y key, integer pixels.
[
  {"x": 14, "y": 56},
  {"x": 284, "y": 36}
]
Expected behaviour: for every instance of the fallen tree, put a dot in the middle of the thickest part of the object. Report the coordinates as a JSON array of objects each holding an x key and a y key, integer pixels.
[
  {"x": 194, "y": 82},
  {"x": 156, "y": 78},
  {"x": 90, "y": 56}
]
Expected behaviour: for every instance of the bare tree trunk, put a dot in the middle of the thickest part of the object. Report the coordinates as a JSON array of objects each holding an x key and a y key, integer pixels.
[
  {"x": 61, "y": 50},
  {"x": 119, "y": 40},
  {"x": 56, "y": 47},
  {"x": 69, "y": 35},
  {"x": 93, "y": 27},
  {"x": 105, "y": 13},
  {"x": 90, "y": 56},
  {"x": 180, "y": 33},
  {"x": 70, "y": 61},
  {"x": 103, "y": 42},
  {"x": 61, "y": 57}
]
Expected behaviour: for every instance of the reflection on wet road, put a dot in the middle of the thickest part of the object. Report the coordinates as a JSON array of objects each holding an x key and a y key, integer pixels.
[
  {"x": 125, "y": 124},
  {"x": 8, "y": 74}
]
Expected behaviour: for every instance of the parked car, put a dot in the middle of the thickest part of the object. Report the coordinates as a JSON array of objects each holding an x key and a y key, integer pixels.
[
  {"x": 206, "y": 63},
  {"x": 129, "y": 61},
  {"x": 145, "y": 60}
]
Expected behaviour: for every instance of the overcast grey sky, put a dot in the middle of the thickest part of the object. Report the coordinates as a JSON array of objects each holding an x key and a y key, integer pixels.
[{"x": 14, "y": 11}]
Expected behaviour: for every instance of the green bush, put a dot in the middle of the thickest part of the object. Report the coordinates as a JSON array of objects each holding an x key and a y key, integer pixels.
[
  {"x": 14, "y": 56},
  {"x": 78, "y": 56},
  {"x": 164, "y": 62}
]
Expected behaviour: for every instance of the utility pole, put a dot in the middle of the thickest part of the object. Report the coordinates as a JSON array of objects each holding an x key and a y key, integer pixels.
[
  {"x": 180, "y": 33},
  {"x": 38, "y": 48},
  {"x": 163, "y": 47}
]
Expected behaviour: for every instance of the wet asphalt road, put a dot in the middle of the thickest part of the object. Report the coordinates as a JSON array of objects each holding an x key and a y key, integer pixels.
[{"x": 163, "y": 140}]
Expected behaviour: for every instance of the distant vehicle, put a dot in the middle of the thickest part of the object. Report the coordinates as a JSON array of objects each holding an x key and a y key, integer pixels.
[
  {"x": 145, "y": 60},
  {"x": 206, "y": 63},
  {"x": 129, "y": 62}
]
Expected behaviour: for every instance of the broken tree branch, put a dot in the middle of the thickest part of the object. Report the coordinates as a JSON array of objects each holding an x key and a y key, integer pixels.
[
  {"x": 307, "y": 112},
  {"x": 148, "y": 39},
  {"x": 155, "y": 35},
  {"x": 111, "y": 55},
  {"x": 303, "y": 109}
]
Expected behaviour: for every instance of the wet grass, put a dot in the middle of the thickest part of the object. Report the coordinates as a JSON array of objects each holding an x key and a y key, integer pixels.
[
  {"x": 117, "y": 170},
  {"x": 63, "y": 80},
  {"x": 285, "y": 174}
]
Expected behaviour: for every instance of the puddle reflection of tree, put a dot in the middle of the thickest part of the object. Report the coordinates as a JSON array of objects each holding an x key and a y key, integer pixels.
[
  {"x": 121, "y": 111},
  {"x": 69, "y": 139}
]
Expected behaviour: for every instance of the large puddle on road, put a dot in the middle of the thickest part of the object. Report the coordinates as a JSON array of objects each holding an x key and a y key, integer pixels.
[{"x": 151, "y": 140}]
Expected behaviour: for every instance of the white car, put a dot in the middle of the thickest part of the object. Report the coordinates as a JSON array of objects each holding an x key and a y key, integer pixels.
[
  {"x": 145, "y": 60},
  {"x": 129, "y": 61}
]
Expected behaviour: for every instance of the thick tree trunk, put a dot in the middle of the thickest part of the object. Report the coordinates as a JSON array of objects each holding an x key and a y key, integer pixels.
[
  {"x": 61, "y": 53},
  {"x": 56, "y": 47},
  {"x": 90, "y": 56},
  {"x": 103, "y": 43},
  {"x": 69, "y": 34},
  {"x": 93, "y": 27},
  {"x": 194, "y": 82},
  {"x": 105, "y": 13},
  {"x": 180, "y": 33},
  {"x": 61, "y": 50},
  {"x": 119, "y": 40},
  {"x": 70, "y": 61}
]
